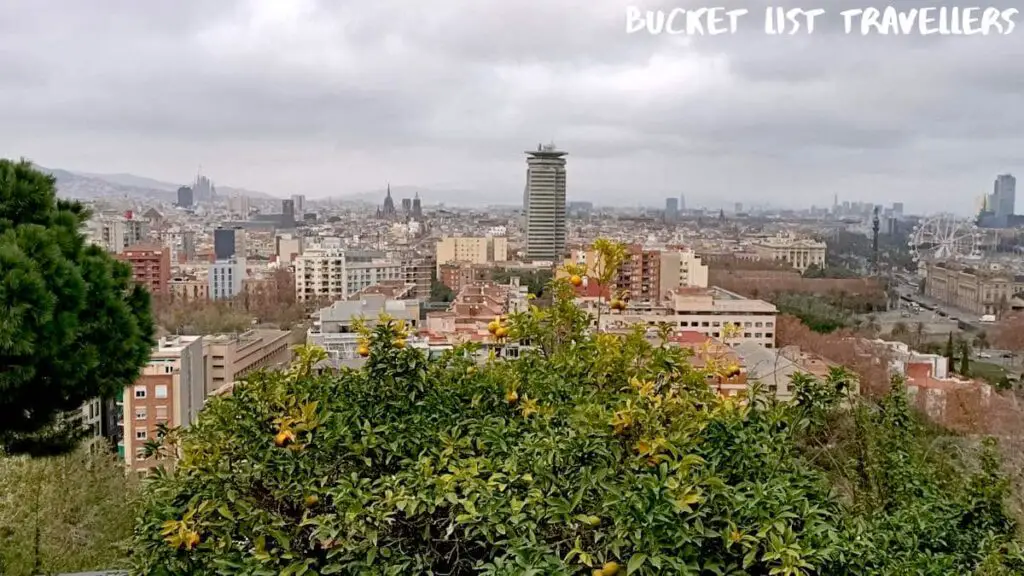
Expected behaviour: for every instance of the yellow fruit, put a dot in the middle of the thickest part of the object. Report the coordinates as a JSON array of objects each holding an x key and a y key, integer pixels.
[
  {"x": 511, "y": 396},
  {"x": 363, "y": 351},
  {"x": 733, "y": 370},
  {"x": 192, "y": 540},
  {"x": 284, "y": 438},
  {"x": 615, "y": 304},
  {"x": 610, "y": 568},
  {"x": 492, "y": 327},
  {"x": 399, "y": 343},
  {"x": 575, "y": 280},
  {"x": 471, "y": 370},
  {"x": 501, "y": 332},
  {"x": 312, "y": 500},
  {"x": 597, "y": 572}
]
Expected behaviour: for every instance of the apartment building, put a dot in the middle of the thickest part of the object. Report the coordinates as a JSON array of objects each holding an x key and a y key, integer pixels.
[
  {"x": 234, "y": 356},
  {"x": 226, "y": 277},
  {"x": 647, "y": 274},
  {"x": 116, "y": 233},
  {"x": 171, "y": 390},
  {"x": 800, "y": 253},
  {"x": 681, "y": 269},
  {"x": 337, "y": 273},
  {"x": 471, "y": 250},
  {"x": 151, "y": 266},
  {"x": 334, "y": 326},
  {"x": 707, "y": 311},
  {"x": 978, "y": 290}
]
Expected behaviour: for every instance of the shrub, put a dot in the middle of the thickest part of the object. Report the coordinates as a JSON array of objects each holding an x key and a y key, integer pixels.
[{"x": 593, "y": 454}]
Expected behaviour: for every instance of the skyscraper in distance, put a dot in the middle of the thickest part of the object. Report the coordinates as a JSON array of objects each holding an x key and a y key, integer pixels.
[
  {"x": 682, "y": 202},
  {"x": 417, "y": 207},
  {"x": 544, "y": 203},
  {"x": 671, "y": 209},
  {"x": 1004, "y": 197}
]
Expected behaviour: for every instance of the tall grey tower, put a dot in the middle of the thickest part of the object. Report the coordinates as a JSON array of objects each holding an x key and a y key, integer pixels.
[
  {"x": 544, "y": 203},
  {"x": 1004, "y": 196}
]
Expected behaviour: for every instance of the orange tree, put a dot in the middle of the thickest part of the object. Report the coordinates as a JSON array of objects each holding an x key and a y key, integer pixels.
[{"x": 593, "y": 454}]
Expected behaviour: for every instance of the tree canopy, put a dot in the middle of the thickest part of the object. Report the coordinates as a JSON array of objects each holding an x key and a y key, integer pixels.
[
  {"x": 589, "y": 454},
  {"x": 72, "y": 326}
]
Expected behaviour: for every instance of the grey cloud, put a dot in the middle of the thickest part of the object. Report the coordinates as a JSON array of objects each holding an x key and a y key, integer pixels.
[{"x": 265, "y": 92}]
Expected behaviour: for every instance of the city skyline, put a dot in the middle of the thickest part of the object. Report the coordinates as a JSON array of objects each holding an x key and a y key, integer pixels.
[{"x": 285, "y": 97}]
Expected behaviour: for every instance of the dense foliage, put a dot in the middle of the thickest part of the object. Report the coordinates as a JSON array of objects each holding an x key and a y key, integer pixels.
[
  {"x": 64, "y": 514},
  {"x": 591, "y": 454},
  {"x": 72, "y": 327}
]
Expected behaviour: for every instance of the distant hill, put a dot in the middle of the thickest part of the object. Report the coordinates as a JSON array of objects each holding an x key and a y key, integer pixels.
[{"x": 86, "y": 186}]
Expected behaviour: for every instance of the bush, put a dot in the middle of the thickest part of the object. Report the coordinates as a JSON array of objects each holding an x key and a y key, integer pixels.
[{"x": 593, "y": 454}]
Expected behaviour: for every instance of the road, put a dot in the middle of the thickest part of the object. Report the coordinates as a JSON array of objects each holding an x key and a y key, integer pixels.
[{"x": 967, "y": 320}]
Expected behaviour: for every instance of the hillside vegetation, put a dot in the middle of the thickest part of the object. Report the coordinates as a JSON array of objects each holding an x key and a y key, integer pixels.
[{"x": 593, "y": 454}]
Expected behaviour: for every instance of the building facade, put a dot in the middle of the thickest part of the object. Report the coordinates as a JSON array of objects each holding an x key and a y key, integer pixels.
[
  {"x": 800, "y": 253},
  {"x": 151, "y": 267},
  {"x": 471, "y": 250},
  {"x": 544, "y": 204},
  {"x": 338, "y": 273},
  {"x": 972, "y": 289},
  {"x": 171, "y": 390},
  {"x": 226, "y": 277}
]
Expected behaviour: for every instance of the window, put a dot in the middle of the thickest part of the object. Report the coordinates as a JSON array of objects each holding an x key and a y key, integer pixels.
[
  {"x": 140, "y": 433},
  {"x": 140, "y": 413},
  {"x": 161, "y": 412},
  {"x": 140, "y": 391},
  {"x": 161, "y": 391}
]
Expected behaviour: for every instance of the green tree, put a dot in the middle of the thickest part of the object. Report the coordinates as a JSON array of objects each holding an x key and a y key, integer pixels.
[
  {"x": 64, "y": 514},
  {"x": 965, "y": 359},
  {"x": 72, "y": 327},
  {"x": 591, "y": 452},
  {"x": 950, "y": 353}
]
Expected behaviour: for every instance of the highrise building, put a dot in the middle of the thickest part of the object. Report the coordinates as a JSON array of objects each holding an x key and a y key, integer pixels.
[
  {"x": 671, "y": 209},
  {"x": 226, "y": 278},
  {"x": 682, "y": 202},
  {"x": 288, "y": 213},
  {"x": 299, "y": 200},
  {"x": 406, "y": 206},
  {"x": 224, "y": 245},
  {"x": 1004, "y": 196},
  {"x": 337, "y": 273},
  {"x": 417, "y": 208},
  {"x": 239, "y": 206},
  {"x": 185, "y": 198},
  {"x": 544, "y": 204}
]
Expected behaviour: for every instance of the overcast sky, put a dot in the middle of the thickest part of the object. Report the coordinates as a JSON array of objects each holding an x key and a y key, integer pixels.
[{"x": 338, "y": 96}]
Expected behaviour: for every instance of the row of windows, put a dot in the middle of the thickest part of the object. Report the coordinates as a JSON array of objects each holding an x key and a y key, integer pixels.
[
  {"x": 142, "y": 412},
  {"x": 159, "y": 391}
]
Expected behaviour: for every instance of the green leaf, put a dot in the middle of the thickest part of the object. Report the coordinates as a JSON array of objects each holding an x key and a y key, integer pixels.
[{"x": 635, "y": 562}]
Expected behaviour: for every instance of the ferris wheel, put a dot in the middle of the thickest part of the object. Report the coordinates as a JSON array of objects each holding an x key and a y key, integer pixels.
[{"x": 945, "y": 237}]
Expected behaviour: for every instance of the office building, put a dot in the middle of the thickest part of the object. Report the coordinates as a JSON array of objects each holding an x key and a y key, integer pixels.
[
  {"x": 544, "y": 204},
  {"x": 287, "y": 213},
  {"x": 407, "y": 206},
  {"x": 171, "y": 390},
  {"x": 682, "y": 202},
  {"x": 1003, "y": 199},
  {"x": 299, "y": 202},
  {"x": 239, "y": 206},
  {"x": 116, "y": 233},
  {"x": 417, "y": 207},
  {"x": 705, "y": 310},
  {"x": 336, "y": 273},
  {"x": 151, "y": 267},
  {"x": 225, "y": 278},
  {"x": 225, "y": 243},
  {"x": 185, "y": 198},
  {"x": 471, "y": 250},
  {"x": 671, "y": 209},
  {"x": 235, "y": 356}
]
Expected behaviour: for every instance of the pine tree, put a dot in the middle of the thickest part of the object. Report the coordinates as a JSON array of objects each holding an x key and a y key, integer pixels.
[
  {"x": 950, "y": 353},
  {"x": 965, "y": 359},
  {"x": 72, "y": 326}
]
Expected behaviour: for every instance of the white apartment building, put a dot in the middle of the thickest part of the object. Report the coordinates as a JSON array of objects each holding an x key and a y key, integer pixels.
[
  {"x": 681, "y": 269},
  {"x": 337, "y": 273},
  {"x": 471, "y": 250},
  {"x": 226, "y": 278},
  {"x": 707, "y": 311},
  {"x": 544, "y": 204},
  {"x": 333, "y": 328}
]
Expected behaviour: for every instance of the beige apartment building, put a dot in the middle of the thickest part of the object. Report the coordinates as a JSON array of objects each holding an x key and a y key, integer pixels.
[
  {"x": 182, "y": 372},
  {"x": 682, "y": 269},
  {"x": 973, "y": 289},
  {"x": 336, "y": 274},
  {"x": 233, "y": 356},
  {"x": 171, "y": 390},
  {"x": 471, "y": 250},
  {"x": 707, "y": 311},
  {"x": 800, "y": 253}
]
